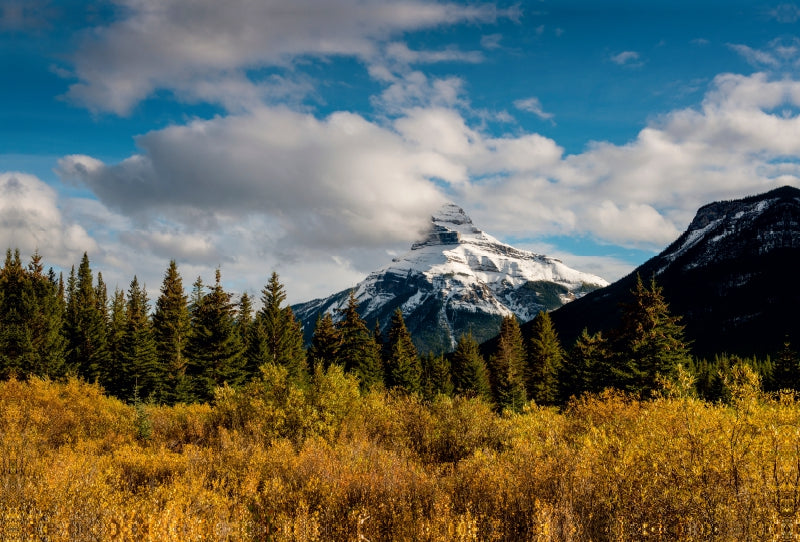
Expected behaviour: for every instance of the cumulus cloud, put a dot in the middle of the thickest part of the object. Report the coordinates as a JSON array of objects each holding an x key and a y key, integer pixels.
[
  {"x": 31, "y": 220},
  {"x": 173, "y": 44}
]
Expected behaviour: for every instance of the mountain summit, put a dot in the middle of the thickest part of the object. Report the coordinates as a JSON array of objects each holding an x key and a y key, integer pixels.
[
  {"x": 731, "y": 275},
  {"x": 455, "y": 279}
]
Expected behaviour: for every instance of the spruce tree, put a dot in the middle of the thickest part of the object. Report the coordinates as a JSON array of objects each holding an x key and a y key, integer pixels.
[
  {"x": 592, "y": 363},
  {"x": 436, "y": 379},
  {"x": 468, "y": 369},
  {"x": 785, "y": 374},
  {"x": 545, "y": 362},
  {"x": 115, "y": 381},
  {"x": 359, "y": 354},
  {"x": 215, "y": 350},
  {"x": 16, "y": 346},
  {"x": 403, "y": 368},
  {"x": 507, "y": 367},
  {"x": 85, "y": 325},
  {"x": 171, "y": 329},
  {"x": 45, "y": 319},
  {"x": 143, "y": 373},
  {"x": 325, "y": 343},
  {"x": 277, "y": 337},
  {"x": 649, "y": 343}
]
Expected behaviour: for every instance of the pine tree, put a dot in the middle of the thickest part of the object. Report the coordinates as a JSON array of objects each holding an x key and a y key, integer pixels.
[
  {"x": 545, "y": 362},
  {"x": 85, "y": 325},
  {"x": 468, "y": 369},
  {"x": 171, "y": 329},
  {"x": 277, "y": 337},
  {"x": 507, "y": 367},
  {"x": 403, "y": 368},
  {"x": 45, "y": 319},
  {"x": 436, "y": 379},
  {"x": 591, "y": 361},
  {"x": 325, "y": 343},
  {"x": 215, "y": 350},
  {"x": 649, "y": 343},
  {"x": 16, "y": 346},
  {"x": 244, "y": 320},
  {"x": 143, "y": 374},
  {"x": 115, "y": 379},
  {"x": 785, "y": 373},
  {"x": 359, "y": 354}
]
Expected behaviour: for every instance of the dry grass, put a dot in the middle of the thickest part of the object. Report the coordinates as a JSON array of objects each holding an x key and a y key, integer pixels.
[{"x": 272, "y": 462}]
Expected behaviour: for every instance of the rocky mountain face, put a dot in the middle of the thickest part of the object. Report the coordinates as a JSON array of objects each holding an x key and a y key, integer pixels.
[
  {"x": 457, "y": 278},
  {"x": 731, "y": 276}
]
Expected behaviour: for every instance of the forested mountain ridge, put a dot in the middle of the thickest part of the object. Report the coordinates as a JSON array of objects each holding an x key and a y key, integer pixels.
[
  {"x": 456, "y": 279},
  {"x": 731, "y": 275}
]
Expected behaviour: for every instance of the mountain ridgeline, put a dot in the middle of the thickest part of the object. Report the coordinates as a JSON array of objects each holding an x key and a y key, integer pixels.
[
  {"x": 457, "y": 279},
  {"x": 731, "y": 275}
]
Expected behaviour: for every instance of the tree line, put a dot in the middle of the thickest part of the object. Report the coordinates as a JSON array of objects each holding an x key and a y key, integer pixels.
[{"x": 183, "y": 347}]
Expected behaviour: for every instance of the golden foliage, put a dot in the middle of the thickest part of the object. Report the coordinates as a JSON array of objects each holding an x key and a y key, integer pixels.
[{"x": 275, "y": 462}]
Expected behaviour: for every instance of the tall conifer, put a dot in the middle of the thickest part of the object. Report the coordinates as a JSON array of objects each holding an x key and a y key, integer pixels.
[
  {"x": 545, "y": 361},
  {"x": 85, "y": 325},
  {"x": 171, "y": 328},
  {"x": 468, "y": 369},
  {"x": 507, "y": 366},
  {"x": 144, "y": 376},
  {"x": 403, "y": 367},
  {"x": 359, "y": 353},
  {"x": 325, "y": 343}
]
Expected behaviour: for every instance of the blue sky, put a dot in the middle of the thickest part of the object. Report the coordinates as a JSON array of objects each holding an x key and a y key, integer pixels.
[{"x": 315, "y": 137}]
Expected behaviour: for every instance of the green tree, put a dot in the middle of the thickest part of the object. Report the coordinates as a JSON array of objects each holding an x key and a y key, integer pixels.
[
  {"x": 143, "y": 373},
  {"x": 215, "y": 350},
  {"x": 545, "y": 362},
  {"x": 358, "y": 353},
  {"x": 16, "y": 346},
  {"x": 45, "y": 319},
  {"x": 507, "y": 367},
  {"x": 591, "y": 361},
  {"x": 277, "y": 337},
  {"x": 436, "y": 378},
  {"x": 325, "y": 343},
  {"x": 115, "y": 380},
  {"x": 85, "y": 326},
  {"x": 171, "y": 329},
  {"x": 403, "y": 367},
  {"x": 785, "y": 369},
  {"x": 468, "y": 369},
  {"x": 649, "y": 344}
]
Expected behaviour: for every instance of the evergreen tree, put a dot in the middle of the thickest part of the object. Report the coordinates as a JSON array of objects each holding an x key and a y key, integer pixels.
[
  {"x": 45, "y": 319},
  {"x": 277, "y": 337},
  {"x": 171, "y": 329},
  {"x": 649, "y": 343},
  {"x": 403, "y": 368},
  {"x": 358, "y": 353},
  {"x": 468, "y": 369},
  {"x": 85, "y": 325},
  {"x": 16, "y": 346},
  {"x": 785, "y": 370},
  {"x": 325, "y": 343},
  {"x": 143, "y": 374},
  {"x": 215, "y": 350},
  {"x": 244, "y": 320},
  {"x": 115, "y": 380},
  {"x": 545, "y": 362},
  {"x": 592, "y": 364},
  {"x": 436, "y": 379},
  {"x": 507, "y": 367}
]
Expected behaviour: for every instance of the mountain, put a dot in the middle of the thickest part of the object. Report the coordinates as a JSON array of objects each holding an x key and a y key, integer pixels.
[
  {"x": 455, "y": 279},
  {"x": 732, "y": 275}
]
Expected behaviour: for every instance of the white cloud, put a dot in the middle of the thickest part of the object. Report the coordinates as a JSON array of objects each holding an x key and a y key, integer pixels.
[
  {"x": 30, "y": 220},
  {"x": 490, "y": 42},
  {"x": 785, "y": 13},
  {"x": 533, "y": 105},
  {"x": 627, "y": 58},
  {"x": 272, "y": 188},
  {"x": 175, "y": 44}
]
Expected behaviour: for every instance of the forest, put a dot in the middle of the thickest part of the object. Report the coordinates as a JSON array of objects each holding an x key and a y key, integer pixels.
[{"x": 202, "y": 417}]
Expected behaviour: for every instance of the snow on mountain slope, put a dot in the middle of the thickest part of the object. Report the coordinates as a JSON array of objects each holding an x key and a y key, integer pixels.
[{"x": 459, "y": 278}]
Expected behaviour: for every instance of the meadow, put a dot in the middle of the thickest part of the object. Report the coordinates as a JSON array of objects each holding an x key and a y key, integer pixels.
[{"x": 272, "y": 461}]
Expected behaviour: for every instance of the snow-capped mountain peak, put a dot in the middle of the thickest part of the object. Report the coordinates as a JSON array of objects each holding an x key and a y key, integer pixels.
[{"x": 457, "y": 278}]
